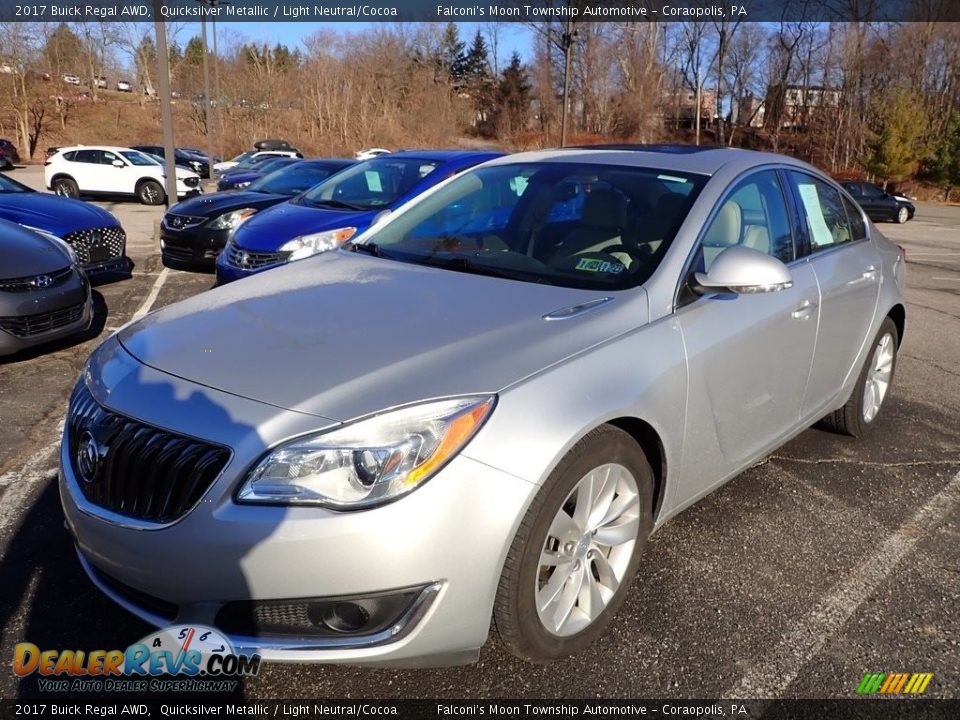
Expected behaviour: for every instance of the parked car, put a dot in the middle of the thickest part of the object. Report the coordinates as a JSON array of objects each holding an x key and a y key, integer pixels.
[
  {"x": 482, "y": 408},
  {"x": 193, "y": 232},
  {"x": 71, "y": 79},
  {"x": 338, "y": 209},
  {"x": 100, "y": 81},
  {"x": 879, "y": 204},
  {"x": 103, "y": 170},
  {"x": 124, "y": 86},
  {"x": 181, "y": 158},
  {"x": 237, "y": 179},
  {"x": 44, "y": 294},
  {"x": 370, "y": 153},
  {"x": 222, "y": 167},
  {"x": 9, "y": 156},
  {"x": 93, "y": 234}
]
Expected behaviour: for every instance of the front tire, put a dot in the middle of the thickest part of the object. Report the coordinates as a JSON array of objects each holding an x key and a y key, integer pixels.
[
  {"x": 576, "y": 552},
  {"x": 873, "y": 385},
  {"x": 150, "y": 192},
  {"x": 66, "y": 187},
  {"x": 902, "y": 215}
]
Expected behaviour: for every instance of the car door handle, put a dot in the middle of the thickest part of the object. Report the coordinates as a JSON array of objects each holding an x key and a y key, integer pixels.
[
  {"x": 868, "y": 275},
  {"x": 803, "y": 311}
]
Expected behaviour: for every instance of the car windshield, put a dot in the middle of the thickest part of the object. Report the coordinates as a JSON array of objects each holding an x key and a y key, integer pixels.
[
  {"x": 369, "y": 185},
  {"x": 138, "y": 158},
  {"x": 293, "y": 180},
  {"x": 12, "y": 186},
  {"x": 241, "y": 157},
  {"x": 568, "y": 224},
  {"x": 275, "y": 164},
  {"x": 254, "y": 162}
]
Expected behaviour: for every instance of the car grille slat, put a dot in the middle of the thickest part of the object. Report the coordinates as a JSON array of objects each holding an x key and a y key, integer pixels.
[
  {"x": 251, "y": 260},
  {"x": 143, "y": 472},
  {"x": 96, "y": 245},
  {"x": 28, "y": 284},
  {"x": 27, "y": 326}
]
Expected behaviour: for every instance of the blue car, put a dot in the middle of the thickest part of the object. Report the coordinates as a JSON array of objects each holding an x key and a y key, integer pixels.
[
  {"x": 95, "y": 236},
  {"x": 338, "y": 209},
  {"x": 239, "y": 179}
]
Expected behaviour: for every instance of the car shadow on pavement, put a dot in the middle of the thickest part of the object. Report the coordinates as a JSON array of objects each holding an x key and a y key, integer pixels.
[
  {"x": 46, "y": 598},
  {"x": 99, "y": 321},
  {"x": 113, "y": 276}
]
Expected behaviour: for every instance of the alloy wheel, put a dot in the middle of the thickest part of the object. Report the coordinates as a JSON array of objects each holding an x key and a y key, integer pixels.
[
  {"x": 902, "y": 215},
  {"x": 587, "y": 550},
  {"x": 878, "y": 379}
]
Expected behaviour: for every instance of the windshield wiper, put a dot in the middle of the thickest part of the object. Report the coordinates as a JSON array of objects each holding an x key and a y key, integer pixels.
[
  {"x": 336, "y": 204},
  {"x": 366, "y": 248},
  {"x": 461, "y": 263}
]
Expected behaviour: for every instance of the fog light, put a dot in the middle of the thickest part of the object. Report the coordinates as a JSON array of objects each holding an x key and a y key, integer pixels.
[{"x": 343, "y": 617}]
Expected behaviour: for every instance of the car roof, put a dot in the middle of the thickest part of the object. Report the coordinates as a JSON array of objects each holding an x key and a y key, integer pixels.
[
  {"x": 112, "y": 148},
  {"x": 699, "y": 160},
  {"x": 440, "y": 155}
]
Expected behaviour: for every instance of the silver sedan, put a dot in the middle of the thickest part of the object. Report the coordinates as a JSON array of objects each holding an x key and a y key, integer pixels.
[{"x": 481, "y": 408}]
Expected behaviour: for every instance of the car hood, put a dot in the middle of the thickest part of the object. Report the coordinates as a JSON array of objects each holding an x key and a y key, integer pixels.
[
  {"x": 267, "y": 231},
  {"x": 218, "y": 203},
  {"x": 238, "y": 176},
  {"x": 342, "y": 335},
  {"x": 26, "y": 253},
  {"x": 53, "y": 213}
]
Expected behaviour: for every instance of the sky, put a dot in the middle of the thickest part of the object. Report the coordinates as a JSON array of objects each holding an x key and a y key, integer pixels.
[{"x": 513, "y": 37}]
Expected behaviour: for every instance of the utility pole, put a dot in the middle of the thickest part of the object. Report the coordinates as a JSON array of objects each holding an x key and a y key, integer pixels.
[
  {"x": 217, "y": 95},
  {"x": 566, "y": 44},
  {"x": 166, "y": 104},
  {"x": 206, "y": 88}
]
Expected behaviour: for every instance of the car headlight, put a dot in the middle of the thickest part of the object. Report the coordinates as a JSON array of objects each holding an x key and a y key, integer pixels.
[
  {"x": 232, "y": 219},
  {"x": 368, "y": 462},
  {"x": 241, "y": 184},
  {"x": 58, "y": 240},
  {"x": 307, "y": 245}
]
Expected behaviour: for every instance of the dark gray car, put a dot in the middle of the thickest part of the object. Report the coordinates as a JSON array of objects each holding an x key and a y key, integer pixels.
[{"x": 44, "y": 295}]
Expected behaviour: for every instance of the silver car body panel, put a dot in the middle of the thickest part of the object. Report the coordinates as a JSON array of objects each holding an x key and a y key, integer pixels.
[{"x": 722, "y": 381}]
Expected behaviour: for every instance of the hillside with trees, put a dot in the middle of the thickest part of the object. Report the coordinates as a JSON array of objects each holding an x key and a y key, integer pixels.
[{"x": 880, "y": 100}]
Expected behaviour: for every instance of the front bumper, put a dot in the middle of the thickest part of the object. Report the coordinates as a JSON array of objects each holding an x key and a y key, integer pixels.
[
  {"x": 197, "y": 246},
  {"x": 453, "y": 533},
  {"x": 57, "y": 305}
]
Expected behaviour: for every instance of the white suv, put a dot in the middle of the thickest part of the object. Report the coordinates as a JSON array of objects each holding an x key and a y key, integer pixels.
[{"x": 84, "y": 170}]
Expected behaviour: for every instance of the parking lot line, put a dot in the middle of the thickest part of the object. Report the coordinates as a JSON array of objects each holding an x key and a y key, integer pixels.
[
  {"x": 771, "y": 677},
  {"x": 16, "y": 485},
  {"x": 152, "y": 295}
]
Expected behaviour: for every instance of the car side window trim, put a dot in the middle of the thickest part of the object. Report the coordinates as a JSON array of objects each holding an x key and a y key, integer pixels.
[{"x": 732, "y": 187}]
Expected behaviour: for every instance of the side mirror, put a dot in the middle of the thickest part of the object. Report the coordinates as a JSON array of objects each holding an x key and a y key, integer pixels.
[
  {"x": 741, "y": 269},
  {"x": 118, "y": 163}
]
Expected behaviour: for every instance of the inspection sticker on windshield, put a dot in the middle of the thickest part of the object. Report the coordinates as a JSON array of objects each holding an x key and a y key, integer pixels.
[{"x": 602, "y": 266}]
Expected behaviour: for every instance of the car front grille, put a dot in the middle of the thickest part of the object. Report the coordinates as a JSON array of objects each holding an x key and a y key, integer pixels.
[
  {"x": 180, "y": 222},
  {"x": 35, "y": 282},
  {"x": 191, "y": 181},
  {"x": 134, "y": 469},
  {"x": 28, "y": 326},
  {"x": 97, "y": 245},
  {"x": 250, "y": 260}
]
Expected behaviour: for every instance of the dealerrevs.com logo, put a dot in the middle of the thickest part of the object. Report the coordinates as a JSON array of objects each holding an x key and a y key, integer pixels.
[{"x": 181, "y": 657}]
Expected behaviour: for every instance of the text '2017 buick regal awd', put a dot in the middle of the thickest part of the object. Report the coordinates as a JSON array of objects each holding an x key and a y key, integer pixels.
[{"x": 481, "y": 408}]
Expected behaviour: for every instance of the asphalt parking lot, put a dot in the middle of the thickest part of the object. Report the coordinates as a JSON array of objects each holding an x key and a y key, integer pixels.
[{"x": 831, "y": 559}]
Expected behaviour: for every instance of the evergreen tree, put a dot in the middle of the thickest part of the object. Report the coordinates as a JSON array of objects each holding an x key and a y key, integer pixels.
[
  {"x": 63, "y": 51},
  {"x": 451, "y": 58},
  {"x": 943, "y": 165},
  {"x": 513, "y": 98},
  {"x": 193, "y": 53},
  {"x": 895, "y": 149}
]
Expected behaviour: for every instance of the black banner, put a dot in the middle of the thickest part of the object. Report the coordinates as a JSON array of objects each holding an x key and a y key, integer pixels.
[
  {"x": 190, "y": 707},
  {"x": 480, "y": 10}
]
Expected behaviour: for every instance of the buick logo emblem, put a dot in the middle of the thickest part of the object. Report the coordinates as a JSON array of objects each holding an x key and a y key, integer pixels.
[
  {"x": 176, "y": 222},
  {"x": 244, "y": 259},
  {"x": 88, "y": 457},
  {"x": 42, "y": 281}
]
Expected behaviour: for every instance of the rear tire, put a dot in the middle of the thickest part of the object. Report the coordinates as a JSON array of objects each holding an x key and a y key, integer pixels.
[
  {"x": 873, "y": 386},
  {"x": 576, "y": 552},
  {"x": 150, "y": 192},
  {"x": 66, "y": 187}
]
